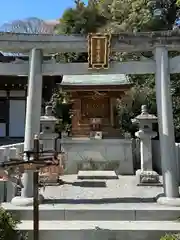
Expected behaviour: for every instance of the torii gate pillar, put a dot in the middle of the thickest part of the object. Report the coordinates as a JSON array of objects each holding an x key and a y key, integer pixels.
[
  {"x": 166, "y": 128},
  {"x": 32, "y": 126}
]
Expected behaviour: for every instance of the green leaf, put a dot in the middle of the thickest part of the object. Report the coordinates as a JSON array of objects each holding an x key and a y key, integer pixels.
[{"x": 8, "y": 227}]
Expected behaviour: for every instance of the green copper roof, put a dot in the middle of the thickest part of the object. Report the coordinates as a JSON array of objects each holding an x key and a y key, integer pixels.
[{"x": 108, "y": 79}]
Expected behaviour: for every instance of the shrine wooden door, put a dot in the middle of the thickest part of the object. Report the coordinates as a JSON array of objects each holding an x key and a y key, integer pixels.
[{"x": 96, "y": 108}]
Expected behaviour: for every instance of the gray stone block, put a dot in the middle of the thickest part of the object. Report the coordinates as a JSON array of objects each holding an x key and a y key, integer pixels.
[
  {"x": 7, "y": 191},
  {"x": 157, "y": 215},
  {"x": 46, "y": 212},
  {"x": 147, "y": 178},
  {"x": 97, "y": 175},
  {"x": 96, "y": 230},
  {"x": 114, "y": 154},
  {"x": 98, "y": 212},
  {"x": 99, "y": 215},
  {"x": 169, "y": 201}
]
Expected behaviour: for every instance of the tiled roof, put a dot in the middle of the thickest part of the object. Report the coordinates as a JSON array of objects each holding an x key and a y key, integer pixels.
[{"x": 108, "y": 79}]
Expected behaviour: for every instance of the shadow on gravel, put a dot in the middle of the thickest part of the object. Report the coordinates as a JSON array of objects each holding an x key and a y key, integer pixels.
[{"x": 86, "y": 184}]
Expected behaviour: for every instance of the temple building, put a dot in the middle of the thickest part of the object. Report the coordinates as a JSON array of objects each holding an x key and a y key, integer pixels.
[
  {"x": 94, "y": 103},
  {"x": 13, "y": 93}
]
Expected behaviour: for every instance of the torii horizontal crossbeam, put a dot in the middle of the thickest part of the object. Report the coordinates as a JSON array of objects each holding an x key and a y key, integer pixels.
[
  {"x": 55, "y": 69},
  {"x": 123, "y": 42}
]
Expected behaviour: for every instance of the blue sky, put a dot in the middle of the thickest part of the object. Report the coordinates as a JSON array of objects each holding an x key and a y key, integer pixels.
[{"x": 43, "y": 9}]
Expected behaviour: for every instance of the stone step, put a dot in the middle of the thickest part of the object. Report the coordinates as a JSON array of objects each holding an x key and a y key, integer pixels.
[
  {"x": 98, "y": 212},
  {"x": 100, "y": 229},
  {"x": 97, "y": 175}
]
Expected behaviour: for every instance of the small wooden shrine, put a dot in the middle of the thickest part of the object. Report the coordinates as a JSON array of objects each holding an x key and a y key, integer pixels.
[{"x": 94, "y": 103}]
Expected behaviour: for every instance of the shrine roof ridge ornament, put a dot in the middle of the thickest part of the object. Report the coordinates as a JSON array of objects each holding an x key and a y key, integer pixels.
[{"x": 51, "y": 43}]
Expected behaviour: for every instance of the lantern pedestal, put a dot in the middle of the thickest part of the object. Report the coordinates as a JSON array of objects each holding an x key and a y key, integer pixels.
[
  {"x": 23, "y": 201},
  {"x": 146, "y": 175}
]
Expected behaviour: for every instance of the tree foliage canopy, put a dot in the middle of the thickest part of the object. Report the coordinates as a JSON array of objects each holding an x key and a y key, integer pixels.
[
  {"x": 140, "y": 15},
  {"x": 82, "y": 19}
]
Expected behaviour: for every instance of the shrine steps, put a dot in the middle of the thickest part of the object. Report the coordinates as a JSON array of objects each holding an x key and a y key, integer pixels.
[
  {"x": 98, "y": 212},
  {"x": 99, "y": 221},
  {"x": 97, "y": 230}
]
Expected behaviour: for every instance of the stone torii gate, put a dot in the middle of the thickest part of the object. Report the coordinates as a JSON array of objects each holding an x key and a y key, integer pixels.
[{"x": 157, "y": 42}]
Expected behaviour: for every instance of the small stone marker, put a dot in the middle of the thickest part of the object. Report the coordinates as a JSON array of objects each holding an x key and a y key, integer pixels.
[{"x": 97, "y": 175}]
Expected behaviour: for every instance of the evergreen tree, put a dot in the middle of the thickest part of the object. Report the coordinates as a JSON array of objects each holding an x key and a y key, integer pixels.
[{"x": 142, "y": 15}]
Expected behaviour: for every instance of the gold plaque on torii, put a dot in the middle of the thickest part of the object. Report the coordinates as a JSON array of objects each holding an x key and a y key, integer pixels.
[{"x": 98, "y": 50}]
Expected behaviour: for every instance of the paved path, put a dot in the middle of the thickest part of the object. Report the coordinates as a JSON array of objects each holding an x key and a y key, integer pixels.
[{"x": 124, "y": 189}]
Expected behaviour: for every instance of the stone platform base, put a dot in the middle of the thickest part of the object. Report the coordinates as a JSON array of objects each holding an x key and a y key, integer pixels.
[
  {"x": 169, "y": 201},
  {"x": 124, "y": 189},
  {"x": 121, "y": 190},
  {"x": 21, "y": 201},
  {"x": 132, "y": 221},
  {"x": 69, "y": 215},
  {"x": 97, "y": 212},
  {"x": 92, "y": 154}
]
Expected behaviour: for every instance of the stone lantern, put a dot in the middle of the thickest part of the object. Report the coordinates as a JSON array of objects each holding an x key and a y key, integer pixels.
[
  {"x": 47, "y": 134},
  {"x": 146, "y": 175}
]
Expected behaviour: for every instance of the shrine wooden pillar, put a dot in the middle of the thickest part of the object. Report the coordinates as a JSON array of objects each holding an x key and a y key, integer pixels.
[
  {"x": 112, "y": 104},
  {"x": 76, "y": 111}
]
